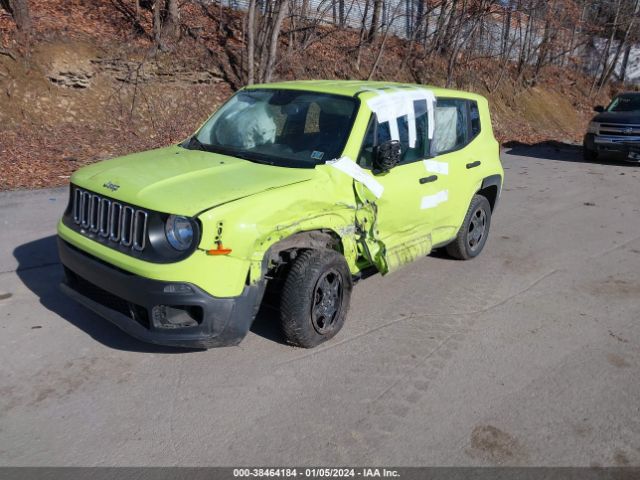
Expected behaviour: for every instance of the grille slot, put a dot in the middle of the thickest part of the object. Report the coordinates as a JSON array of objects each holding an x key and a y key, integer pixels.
[
  {"x": 619, "y": 129},
  {"x": 119, "y": 223}
]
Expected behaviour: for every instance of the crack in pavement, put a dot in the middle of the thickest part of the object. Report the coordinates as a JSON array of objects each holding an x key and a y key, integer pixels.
[{"x": 33, "y": 267}]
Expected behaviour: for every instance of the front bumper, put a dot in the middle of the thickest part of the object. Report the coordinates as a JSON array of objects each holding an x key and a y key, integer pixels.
[
  {"x": 128, "y": 301},
  {"x": 624, "y": 146}
]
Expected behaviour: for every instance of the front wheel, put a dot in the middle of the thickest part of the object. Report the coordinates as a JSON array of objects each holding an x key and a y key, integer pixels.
[
  {"x": 474, "y": 231},
  {"x": 315, "y": 297},
  {"x": 589, "y": 155}
]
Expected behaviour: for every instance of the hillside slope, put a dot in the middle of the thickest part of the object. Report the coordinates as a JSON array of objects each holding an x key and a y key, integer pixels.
[{"x": 92, "y": 88}]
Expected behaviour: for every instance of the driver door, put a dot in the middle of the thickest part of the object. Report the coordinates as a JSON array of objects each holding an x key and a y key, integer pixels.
[{"x": 408, "y": 209}]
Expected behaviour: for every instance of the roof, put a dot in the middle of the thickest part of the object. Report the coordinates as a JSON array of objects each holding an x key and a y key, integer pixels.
[{"x": 353, "y": 87}]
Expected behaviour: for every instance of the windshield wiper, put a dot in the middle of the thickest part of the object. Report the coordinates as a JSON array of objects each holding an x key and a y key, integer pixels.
[
  {"x": 249, "y": 157},
  {"x": 194, "y": 144},
  {"x": 252, "y": 157}
]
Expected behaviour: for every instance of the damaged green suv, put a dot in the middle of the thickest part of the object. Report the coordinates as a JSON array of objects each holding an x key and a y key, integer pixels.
[{"x": 304, "y": 186}]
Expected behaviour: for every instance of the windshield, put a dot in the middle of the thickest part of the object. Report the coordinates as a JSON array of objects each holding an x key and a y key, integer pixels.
[
  {"x": 625, "y": 103},
  {"x": 288, "y": 128}
]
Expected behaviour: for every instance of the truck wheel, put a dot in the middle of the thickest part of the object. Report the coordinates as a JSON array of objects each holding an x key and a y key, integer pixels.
[
  {"x": 474, "y": 231},
  {"x": 315, "y": 297},
  {"x": 589, "y": 155}
]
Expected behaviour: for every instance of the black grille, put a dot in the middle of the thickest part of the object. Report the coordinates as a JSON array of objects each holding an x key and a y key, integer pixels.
[
  {"x": 116, "y": 222},
  {"x": 107, "y": 299},
  {"x": 619, "y": 129}
]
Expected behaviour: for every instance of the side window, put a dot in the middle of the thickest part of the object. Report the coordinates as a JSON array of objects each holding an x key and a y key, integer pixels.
[
  {"x": 452, "y": 125},
  {"x": 378, "y": 133},
  {"x": 474, "y": 113},
  {"x": 365, "y": 159}
]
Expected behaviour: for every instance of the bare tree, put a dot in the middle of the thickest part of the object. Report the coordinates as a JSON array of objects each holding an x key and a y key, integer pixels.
[
  {"x": 251, "y": 42},
  {"x": 131, "y": 13},
  {"x": 618, "y": 20},
  {"x": 384, "y": 41},
  {"x": 166, "y": 22},
  {"x": 275, "y": 27},
  {"x": 263, "y": 37},
  {"x": 375, "y": 18},
  {"x": 19, "y": 10}
]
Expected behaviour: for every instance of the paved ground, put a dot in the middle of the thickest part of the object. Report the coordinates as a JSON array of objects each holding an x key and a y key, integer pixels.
[{"x": 528, "y": 355}]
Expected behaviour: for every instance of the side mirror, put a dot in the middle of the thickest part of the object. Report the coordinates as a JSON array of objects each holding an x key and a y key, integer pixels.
[
  {"x": 599, "y": 109},
  {"x": 386, "y": 156}
]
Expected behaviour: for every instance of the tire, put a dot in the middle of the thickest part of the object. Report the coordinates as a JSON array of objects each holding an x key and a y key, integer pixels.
[
  {"x": 589, "y": 155},
  {"x": 474, "y": 231},
  {"x": 315, "y": 298}
]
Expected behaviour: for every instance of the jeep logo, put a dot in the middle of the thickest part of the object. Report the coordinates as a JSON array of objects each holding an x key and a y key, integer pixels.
[{"x": 111, "y": 186}]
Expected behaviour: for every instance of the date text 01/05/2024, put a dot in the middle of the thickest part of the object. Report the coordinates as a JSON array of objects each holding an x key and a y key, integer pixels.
[{"x": 316, "y": 472}]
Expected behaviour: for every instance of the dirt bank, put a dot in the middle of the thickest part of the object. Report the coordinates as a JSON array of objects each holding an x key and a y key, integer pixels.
[{"x": 101, "y": 90}]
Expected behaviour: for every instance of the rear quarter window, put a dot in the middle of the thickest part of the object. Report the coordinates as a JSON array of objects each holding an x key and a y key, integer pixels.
[{"x": 474, "y": 115}]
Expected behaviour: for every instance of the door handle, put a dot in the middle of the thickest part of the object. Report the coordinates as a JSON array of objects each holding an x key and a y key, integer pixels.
[
  {"x": 473, "y": 164},
  {"x": 430, "y": 179}
]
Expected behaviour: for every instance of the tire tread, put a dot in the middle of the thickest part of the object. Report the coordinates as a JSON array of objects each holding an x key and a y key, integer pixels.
[{"x": 295, "y": 299}]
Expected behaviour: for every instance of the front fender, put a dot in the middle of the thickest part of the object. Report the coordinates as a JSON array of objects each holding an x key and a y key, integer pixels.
[{"x": 253, "y": 226}]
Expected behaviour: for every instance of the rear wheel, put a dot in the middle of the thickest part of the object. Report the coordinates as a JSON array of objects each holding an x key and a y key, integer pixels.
[
  {"x": 474, "y": 231},
  {"x": 315, "y": 297}
]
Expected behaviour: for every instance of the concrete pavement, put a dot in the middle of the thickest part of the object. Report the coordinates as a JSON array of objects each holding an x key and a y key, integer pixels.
[{"x": 528, "y": 355}]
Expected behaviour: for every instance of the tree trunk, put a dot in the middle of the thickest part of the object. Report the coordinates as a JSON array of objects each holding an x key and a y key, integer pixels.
[
  {"x": 166, "y": 22},
  {"x": 172, "y": 23},
  {"x": 375, "y": 19},
  {"x": 625, "y": 64},
  {"x": 251, "y": 32},
  {"x": 598, "y": 80},
  {"x": 273, "y": 45},
  {"x": 157, "y": 23},
  {"x": 19, "y": 10},
  {"x": 606, "y": 75},
  {"x": 341, "y": 14},
  {"x": 506, "y": 33},
  {"x": 384, "y": 41},
  {"x": 363, "y": 34}
]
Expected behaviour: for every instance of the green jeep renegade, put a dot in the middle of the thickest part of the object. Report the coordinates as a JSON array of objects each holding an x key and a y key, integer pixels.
[{"x": 307, "y": 186}]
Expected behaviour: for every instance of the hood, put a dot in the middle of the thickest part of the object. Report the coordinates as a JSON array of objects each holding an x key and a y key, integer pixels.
[
  {"x": 185, "y": 182},
  {"x": 624, "y": 118}
]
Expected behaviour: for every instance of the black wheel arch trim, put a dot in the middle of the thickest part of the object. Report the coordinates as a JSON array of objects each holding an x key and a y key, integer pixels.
[{"x": 492, "y": 181}]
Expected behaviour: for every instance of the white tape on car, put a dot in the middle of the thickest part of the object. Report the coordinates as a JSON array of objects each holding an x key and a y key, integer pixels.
[
  {"x": 399, "y": 103},
  {"x": 351, "y": 168},
  {"x": 432, "y": 201},
  {"x": 433, "y": 166}
]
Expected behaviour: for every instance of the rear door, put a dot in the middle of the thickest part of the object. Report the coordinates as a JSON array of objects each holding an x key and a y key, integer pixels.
[{"x": 457, "y": 124}]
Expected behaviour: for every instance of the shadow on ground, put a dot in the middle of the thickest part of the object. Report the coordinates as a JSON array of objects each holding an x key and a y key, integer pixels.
[
  {"x": 40, "y": 271},
  {"x": 563, "y": 152}
]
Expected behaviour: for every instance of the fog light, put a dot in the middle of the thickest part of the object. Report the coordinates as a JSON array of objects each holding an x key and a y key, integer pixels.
[
  {"x": 164, "y": 316},
  {"x": 177, "y": 288}
]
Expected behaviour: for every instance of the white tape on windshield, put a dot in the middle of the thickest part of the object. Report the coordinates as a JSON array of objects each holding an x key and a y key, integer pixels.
[
  {"x": 390, "y": 106},
  {"x": 351, "y": 168},
  {"x": 433, "y": 166},
  {"x": 432, "y": 201}
]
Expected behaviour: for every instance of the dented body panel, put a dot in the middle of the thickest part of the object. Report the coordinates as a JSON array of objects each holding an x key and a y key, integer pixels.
[{"x": 256, "y": 211}]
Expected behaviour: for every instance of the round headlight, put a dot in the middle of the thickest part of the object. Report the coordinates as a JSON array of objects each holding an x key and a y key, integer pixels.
[{"x": 179, "y": 232}]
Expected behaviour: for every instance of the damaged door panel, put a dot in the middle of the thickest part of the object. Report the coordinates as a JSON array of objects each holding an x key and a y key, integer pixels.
[{"x": 401, "y": 230}]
